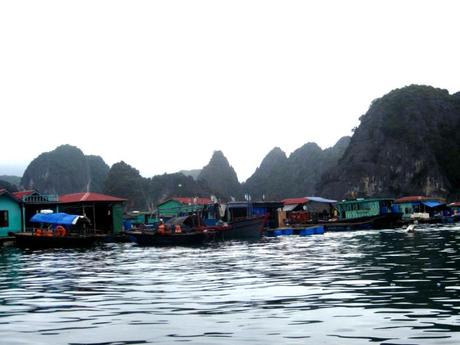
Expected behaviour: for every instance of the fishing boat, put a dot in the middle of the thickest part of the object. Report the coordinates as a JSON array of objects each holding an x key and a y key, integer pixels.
[
  {"x": 365, "y": 214},
  {"x": 178, "y": 231},
  {"x": 193, "y": 230},
  {"x": 249, "y": 228},
  {"x": 58, "y": 230}
]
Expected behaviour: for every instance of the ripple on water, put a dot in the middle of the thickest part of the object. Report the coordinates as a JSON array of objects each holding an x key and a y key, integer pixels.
[{"x": 348, "y": 288}]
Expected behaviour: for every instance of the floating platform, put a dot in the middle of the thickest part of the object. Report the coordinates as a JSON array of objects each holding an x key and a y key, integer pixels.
[{"x": 300, "y": 231}]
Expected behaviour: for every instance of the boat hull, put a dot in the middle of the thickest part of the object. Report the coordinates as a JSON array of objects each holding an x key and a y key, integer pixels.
[
  {"x": 244, "y": 229},
  {"x": 29, "y": 240},
  {"x": 150, "y": 238},
  {"x": 386, "y": 221}
]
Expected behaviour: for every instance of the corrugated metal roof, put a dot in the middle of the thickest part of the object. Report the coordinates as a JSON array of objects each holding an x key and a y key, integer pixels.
[
  {"x": 413, "y": 198},
  {"x": 295, "y": 201},
  {"x": 88, "y": 197},
  {"x": 193, "y": 201},
  {"x": 319, "y": 199},
  {"x": 22, "y": 194},
  {"x": 432, "y": 203},
  {"x": 8, "y": 194},
  {"x": 305, "y": 199},
  {"x": 288, "y": 208}
]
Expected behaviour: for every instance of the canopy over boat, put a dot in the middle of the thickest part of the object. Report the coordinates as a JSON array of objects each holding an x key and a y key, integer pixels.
[
  {"x": 433, "y": 203},
  {"x": 57, "y": 218}
]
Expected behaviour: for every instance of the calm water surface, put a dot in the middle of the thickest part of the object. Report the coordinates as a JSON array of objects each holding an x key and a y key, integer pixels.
[{"x": 384, "y": 287}]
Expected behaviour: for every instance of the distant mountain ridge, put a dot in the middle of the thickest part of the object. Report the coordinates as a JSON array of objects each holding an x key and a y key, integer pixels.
[
  {"x": 407, "y": 143},
  {"x": 194, "y": 173},
  {"x": 14, "y": 180},
  {"x": 280, "y": 177},
  {"x": 220, "y": 177}
]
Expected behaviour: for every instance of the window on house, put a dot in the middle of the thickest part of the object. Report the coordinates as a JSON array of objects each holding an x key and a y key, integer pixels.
[{"x": 3, "y": 219}]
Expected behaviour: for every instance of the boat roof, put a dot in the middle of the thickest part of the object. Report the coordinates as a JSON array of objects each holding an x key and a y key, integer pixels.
[
  {"x": 361, "y": 200},
  {"x": 415, "y": 198},
  {"x": 57, "y": 218},
  {"x": 305, "y": 199},
  {"x": 433, "y": 203}
]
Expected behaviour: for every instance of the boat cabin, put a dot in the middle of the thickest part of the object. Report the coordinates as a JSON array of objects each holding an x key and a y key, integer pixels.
[
  {"x": 362, "y": 208},
  {"x": 51, "y": 223}
]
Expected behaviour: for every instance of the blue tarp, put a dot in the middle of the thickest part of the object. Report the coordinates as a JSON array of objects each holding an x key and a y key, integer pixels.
[
  {"x": 319, "y": 199},
  {"x": 56, "y": 218},
  {"x": 432, "y": 203}
]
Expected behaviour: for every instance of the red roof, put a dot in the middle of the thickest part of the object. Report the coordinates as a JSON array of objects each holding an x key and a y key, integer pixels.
[
  {"x": 88, "y": 197},
  {"x": 454, "y": 204},
  {"x": 22, "y": 194},
  {"x": 8, "y": 194},
  {"x": 295, "y": 201},
  {"x": 414, "y": 198},
  {"x": 194, "y": 201}
]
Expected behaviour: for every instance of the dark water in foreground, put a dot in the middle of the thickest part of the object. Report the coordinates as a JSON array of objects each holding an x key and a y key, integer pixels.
[{"x": 384, "y": 287}]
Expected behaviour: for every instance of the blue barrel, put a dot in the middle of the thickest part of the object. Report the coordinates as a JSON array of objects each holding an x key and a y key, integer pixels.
[
  {"x": 288, "y": 231},
  {"x": 306, "y": 232},
  {"x": 319, "y": 230},
  {"x": 278, "y": 232}
]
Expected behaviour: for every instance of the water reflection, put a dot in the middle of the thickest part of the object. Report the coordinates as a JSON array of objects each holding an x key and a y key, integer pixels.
[{"x": 387, "y": 287}]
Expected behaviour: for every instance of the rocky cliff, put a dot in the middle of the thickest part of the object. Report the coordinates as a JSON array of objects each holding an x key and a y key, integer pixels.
[
  {"x": 220, "y": 177},
  {"x": 281, "y": 177},
  {"x": 408, "y": 143},
  {"x": 65, "y": 170}
]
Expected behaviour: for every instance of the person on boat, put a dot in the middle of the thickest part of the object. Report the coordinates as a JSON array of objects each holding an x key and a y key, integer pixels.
[{"x": 161, "y": 227}]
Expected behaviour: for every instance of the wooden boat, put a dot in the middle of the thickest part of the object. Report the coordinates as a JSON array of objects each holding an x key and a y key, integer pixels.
[
  {"x": 31, "y": 240},
  {"x": 178, "y": 231},
  {"x": 154, "y": 238},
  {"x": 193, "y": 231},
  {"x": 250, "y": 228},
  {"x": 58, "y": 230},
  {"x": 364, "y": 214},
  {"x": 387, "y": 221}
]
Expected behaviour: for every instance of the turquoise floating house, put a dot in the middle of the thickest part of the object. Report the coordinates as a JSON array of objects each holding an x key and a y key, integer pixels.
[
  {"x": 10, "y": 213},
  {"x": 363, "y": 208},
  {"x": 181, "y": 206},
  {"x": 421, "y": 208}
]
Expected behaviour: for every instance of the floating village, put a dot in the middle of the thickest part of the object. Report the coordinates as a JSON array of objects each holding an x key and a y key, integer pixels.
[{"x": 30, "y": 219}]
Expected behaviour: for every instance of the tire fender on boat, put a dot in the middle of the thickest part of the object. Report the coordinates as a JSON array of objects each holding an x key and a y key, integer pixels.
[{"x": 61, "y": 231}]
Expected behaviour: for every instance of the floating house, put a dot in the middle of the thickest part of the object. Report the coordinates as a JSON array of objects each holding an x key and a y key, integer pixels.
[
  {"x": 269, "y": 209},
  {"x": 309, "y": 209},
  {"x": 33, "y": 202},
  {"x": 422, "y": 208},
  {"x": 364, "y": 208},
  {"x": 104, "y": 211},
  {"x": 10, "y": 213},
  {"x": 179, "y": 206}
]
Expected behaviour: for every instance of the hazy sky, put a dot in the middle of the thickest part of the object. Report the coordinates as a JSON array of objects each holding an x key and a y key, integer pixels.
[{"x": 162, "y": 84}]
